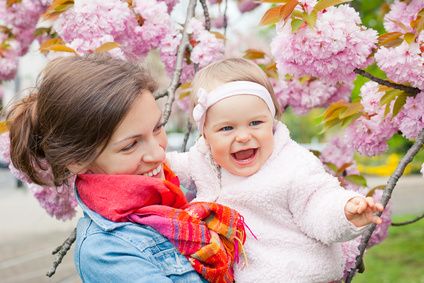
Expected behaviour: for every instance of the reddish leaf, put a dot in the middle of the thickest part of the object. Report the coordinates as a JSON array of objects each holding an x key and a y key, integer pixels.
[
  {"x": 389, "y": 39},
  {"x": 288, "y": 9},
  {"x": 271, "y": 16},
  {"x": 254, "y": 54}
]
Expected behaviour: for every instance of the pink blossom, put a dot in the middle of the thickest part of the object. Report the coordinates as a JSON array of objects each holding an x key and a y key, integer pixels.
[
  {"x": 422, "y": 169},
  {"x": 22, "y": 18},
  {"x": 183, "y": 104},
  {"x": 218, "y": 22},
  {"x": 89, "y": 24},
  {"x": 168, "y": 53},
  {"x": 401, "y": 14},
  {"x": 402, "y": 64},
  {"x": 246, "y": 5},
  {"x": 330, "y": 51},
  {"x": 411, "y": 117},
  {"x": 307, "y": 93},
  {"x": 307, "y": 5},
  {"x": 8, "y": 67},
  {"x": 339, "y": 151},
  {"x": 156, "y": 23},
  {"x": 350, "y": 250},
  {"x": 5, "y": 148},
  {"x": 370, "y": 97},
  {"x": 207, "y": 49},
  {"x": 59, "y": 202},
  {"x": 369, "y": 135},
  {"x": 170, "y": 4}
]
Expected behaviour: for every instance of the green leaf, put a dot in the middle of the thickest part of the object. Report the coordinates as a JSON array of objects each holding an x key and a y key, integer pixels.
[
  {"x": 350, "y": 119},
  {"x": 324, "y": 4},
  {"x": 389, "y": 96},
  {"x": 357, "y": 180},
  {"x": 311, "y": 19},
  {"x": 352, "y": 109},
  {"x": 409, "y": 37},
  {"x": 317, "y": 153},
  {"x": 332, "y": 166},
  {"x": 400, "y": 101},
  {"x": 296, "y": 24}
]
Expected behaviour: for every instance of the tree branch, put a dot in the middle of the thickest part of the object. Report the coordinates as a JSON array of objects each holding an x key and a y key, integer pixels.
[
  {"x": 187, "y": 135},
  {"x": 391, "y": 183},
  {"x": 409, "y": 222},
  {"x": 61, "y": 251},
  {"x": 225, "y": 20},
  {"x": 408, "y": 89},
  {"x": 179, "y": 63},
  {"x": 206, "y": 14}
]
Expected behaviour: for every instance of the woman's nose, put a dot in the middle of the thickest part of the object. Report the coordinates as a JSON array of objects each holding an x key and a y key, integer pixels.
[{"x": 153, "y": 152}]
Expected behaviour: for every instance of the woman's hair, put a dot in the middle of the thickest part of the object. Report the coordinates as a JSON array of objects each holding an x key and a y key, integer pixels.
[
  {"x": 230, "y": 70},
  {"x": 71, "y": 115}
]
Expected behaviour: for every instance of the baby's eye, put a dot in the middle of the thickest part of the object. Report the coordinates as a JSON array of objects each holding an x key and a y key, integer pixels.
[
  {"x": 129, "y": 147},
  {"x": 226, "y": 129},
  {"x": 255, "y": 123}
]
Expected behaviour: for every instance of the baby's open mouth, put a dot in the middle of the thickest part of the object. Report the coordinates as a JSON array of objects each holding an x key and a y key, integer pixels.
[{"x": 244, "y": 156}]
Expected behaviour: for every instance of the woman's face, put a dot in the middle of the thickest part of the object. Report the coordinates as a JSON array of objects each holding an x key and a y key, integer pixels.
[{"x": 137, "y": 147}]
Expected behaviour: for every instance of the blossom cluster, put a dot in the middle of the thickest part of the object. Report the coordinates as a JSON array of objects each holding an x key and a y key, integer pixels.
[
  {"x": 404, "y": 63},
  {"x": 59, "y": 202},
  {"x": 370, "y": 132},
  {"x": 401, "y": 14},
  {"x": 206, "y": 48},
  {"x": 18, "y": 23},
  {"x": 137, "y": 29},
  {"x": 304, "y": 94},
  {"x": 330, "y": 51}
]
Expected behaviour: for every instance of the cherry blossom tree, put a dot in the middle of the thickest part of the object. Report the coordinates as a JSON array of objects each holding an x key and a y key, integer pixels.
[{"x": 317, "y": 49}]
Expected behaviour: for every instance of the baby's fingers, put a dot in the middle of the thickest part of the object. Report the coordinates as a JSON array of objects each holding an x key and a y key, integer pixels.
[
  {"x": 375, "y": 219},
  {"x": 362, "y": 205}
]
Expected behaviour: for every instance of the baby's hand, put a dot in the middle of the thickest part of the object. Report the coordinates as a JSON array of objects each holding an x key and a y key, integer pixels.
[{"x": 360, "y": 211}]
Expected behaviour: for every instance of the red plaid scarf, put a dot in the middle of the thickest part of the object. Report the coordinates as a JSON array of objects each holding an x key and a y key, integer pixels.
[{"x": 208, "y": 234}]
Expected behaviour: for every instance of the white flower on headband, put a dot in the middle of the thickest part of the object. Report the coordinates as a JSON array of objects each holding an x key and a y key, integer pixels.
[{"x": 202, "y": 105}]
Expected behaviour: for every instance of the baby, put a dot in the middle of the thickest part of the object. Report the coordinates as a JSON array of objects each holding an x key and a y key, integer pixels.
[{"x": 245, "y": 159}]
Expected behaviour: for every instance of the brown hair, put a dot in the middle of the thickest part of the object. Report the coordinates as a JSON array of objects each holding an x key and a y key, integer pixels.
[
  {"x": 230, "y": 70},
  {"x": 79, "y": 102}
]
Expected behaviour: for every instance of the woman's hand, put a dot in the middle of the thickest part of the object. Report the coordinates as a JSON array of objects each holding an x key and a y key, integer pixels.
[{"x": 361, "y": 211}]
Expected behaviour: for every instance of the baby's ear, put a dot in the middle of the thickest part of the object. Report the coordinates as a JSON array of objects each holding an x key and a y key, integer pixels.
[{"x": 77, "y": 168}]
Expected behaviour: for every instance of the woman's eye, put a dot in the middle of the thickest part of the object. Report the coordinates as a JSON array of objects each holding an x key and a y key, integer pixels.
[
  {"x": 158, "y": 128},
  {"x": 130, "y": 146},
  {"x": 255, "y": 123},
  {"x": 226, "y": 129}
]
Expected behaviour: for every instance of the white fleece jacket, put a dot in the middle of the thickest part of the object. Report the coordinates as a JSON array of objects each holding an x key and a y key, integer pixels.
[{"x": 293, "y": 207}]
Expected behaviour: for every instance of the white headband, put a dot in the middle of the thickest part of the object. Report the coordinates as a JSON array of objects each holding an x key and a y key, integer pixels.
[{"x": 206, "y": 100}]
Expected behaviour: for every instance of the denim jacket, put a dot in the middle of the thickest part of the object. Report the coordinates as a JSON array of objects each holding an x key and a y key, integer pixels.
[{"x": 108, "y": 251}]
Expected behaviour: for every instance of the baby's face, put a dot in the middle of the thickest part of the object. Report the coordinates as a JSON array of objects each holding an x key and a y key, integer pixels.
[{"x": 239, "y": 131}]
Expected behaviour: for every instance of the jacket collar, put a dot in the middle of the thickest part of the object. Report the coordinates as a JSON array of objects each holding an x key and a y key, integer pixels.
[{"x": 102, "y": 222}]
